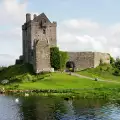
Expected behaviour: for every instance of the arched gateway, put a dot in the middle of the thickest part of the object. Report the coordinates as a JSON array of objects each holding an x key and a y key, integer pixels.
[{"x": 70, "y": 65}]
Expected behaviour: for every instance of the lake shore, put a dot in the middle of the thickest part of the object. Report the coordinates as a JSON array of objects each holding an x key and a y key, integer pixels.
[
  {"x": 22, "y": 81},
  {"x": 99, "y": 93}
]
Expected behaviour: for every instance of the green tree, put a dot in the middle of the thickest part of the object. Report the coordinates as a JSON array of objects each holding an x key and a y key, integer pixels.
[
  {"x": 112, "y": 61},
  {"x": 117, "y": 67},
  {"x": 58, "y": 58},
  {"x": 63, "y": 59},
  {"x": 117, "y": 63},
  {"x": 55, "y": 58}
]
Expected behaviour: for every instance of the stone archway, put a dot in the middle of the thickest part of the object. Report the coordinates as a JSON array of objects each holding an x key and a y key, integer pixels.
[{"x": 70, "y": 64}]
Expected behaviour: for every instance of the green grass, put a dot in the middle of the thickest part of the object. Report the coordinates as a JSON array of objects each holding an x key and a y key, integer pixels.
[
  {"x": 21, "y": 77},
  {"x": 104, "y": 72},
  {"x": 63, "y": 81},
  {"x": 15, "y": 71}
]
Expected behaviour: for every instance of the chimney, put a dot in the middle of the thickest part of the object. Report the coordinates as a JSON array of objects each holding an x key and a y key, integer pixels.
[
  {"x": 28, "y": 17},
  {"x": 34, "y": 16}
]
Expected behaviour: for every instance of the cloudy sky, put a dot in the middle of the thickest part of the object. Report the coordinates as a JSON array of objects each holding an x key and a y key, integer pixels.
[{"x": 83, "y": 25}]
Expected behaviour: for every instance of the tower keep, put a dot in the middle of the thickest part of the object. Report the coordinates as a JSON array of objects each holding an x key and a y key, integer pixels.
[{"x": 38, "y": 35}]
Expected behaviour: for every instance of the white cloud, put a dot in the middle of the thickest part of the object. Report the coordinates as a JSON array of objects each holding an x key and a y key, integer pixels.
[
  {"x": 86, "y": 35},
  {"x": 6, "y": 60},
  {"x": 73, "y": 34},
  {"x": 12, "y": 12},
  {"x": 80, "y": 24},
  {"x": 12, "y": 17}
]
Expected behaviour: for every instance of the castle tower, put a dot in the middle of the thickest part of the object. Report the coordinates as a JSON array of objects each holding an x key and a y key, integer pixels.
[{"x": 38, "y": 36}]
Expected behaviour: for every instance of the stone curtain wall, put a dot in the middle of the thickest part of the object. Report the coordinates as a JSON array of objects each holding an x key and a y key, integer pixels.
[
  {"x": 104, "y": 57},
  {"x": 85, "y": 60},
  {"x": 82, "y": 60}
]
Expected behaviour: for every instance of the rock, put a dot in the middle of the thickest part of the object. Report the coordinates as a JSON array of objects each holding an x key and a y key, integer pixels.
[
  {"x": 4, "y": 82},
  {"x": 96, "y": 79}
]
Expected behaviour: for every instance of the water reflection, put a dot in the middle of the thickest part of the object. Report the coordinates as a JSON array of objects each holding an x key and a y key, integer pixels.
[
  {"x": 9, "y": 109},
  {"x": 46, "y": 108}
]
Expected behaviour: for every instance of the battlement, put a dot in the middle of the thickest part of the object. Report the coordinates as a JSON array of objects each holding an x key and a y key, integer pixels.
[{"x": 28, "y": 17}]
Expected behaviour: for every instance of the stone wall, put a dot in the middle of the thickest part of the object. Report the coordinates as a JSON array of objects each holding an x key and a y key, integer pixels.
[
  {"x": 82, "y": 60},
  {"x": 85, "y": 60},
  {"x": 41, "y": 56},
  {"x": 103, "y": 57}
]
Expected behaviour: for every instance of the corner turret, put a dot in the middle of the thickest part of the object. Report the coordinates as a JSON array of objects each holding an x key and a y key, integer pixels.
[{"x": 28, "y": 17}]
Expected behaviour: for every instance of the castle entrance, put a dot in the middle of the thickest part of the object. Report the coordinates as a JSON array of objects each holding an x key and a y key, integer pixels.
[{"x": 70, "y": 66}]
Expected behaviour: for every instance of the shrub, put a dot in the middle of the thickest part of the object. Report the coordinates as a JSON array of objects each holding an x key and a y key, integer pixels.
[
  {"x": 112, "y": 61},
  {"x": 4, "y": 82},
  {"x": 101, "y": 69},
  {"x": 55, "y": 58},
  {"x": 101, "y": 62},
  {"x": 116, "y": 72},
  {"x": 58, "y": 58},
  {"x": 27, "y": 77},
  {"x": 117, "y": 63},
  {"x": 63, "y": 59}
]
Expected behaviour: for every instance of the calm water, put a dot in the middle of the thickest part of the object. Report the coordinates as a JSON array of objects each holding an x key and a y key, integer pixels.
[{"x": 44, "y": 108}]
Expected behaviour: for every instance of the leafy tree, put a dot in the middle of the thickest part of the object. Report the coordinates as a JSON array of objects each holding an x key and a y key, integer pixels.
[
  {"x": 63, "y": 59},
  {"x": 58, "y": 58},
  {"x": 116, "y": 72},
  {"x": 112, "y": 61},
  {"x": 116, "y": 66},
  {"x": 117, "y": 63},
  {"x": 55, "y": 58}
]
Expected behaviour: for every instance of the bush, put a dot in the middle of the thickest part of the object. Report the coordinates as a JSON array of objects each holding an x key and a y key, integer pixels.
[
  {"x": 101, "y": 69},
  {"x": 55, "y": 58},
  {"x": 63, "y": 59},
  {"x": 58, "y": 58},
  {"x": 101, "y": 62},
  {"x": 117, "y": 63},
  {"x": 112, "y": 61},
  {"x": 2, "y": 69},
  {"x": 116, "y": 72}
]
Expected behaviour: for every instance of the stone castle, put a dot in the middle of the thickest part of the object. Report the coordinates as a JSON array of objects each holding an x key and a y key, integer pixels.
[{"x": 39, "y": 34}]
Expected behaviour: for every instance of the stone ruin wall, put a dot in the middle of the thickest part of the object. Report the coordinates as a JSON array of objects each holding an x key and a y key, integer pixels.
[
  {"x": 42, "y": 56},
  {"x": 82, "y": 60},
  {"x": 85, "y": 60},
  {"x": 104, "y": 57}
]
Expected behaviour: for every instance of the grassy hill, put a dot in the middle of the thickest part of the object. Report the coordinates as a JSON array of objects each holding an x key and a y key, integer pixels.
[
  {"x": 23, "y": 76},
  {"x": 104, "y": 72}
]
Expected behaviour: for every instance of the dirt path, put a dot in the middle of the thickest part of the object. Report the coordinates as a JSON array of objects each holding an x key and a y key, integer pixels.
[{"x": 82, "y": 76}]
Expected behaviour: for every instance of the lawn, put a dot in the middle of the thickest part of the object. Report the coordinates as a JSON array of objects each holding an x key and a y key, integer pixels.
[
  {"x": 22, "y": 77},
  {"x": 64, "y": 81},
  {"x": 104, "y": 72}
]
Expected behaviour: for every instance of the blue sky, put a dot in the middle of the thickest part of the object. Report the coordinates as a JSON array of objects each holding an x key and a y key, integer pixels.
[
  {"x": 105, "y": 11},
  {"x": 83, "y": 25}
]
